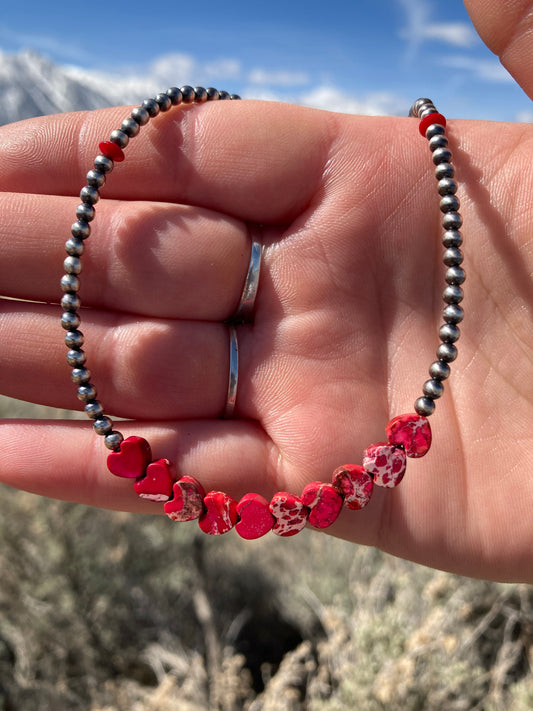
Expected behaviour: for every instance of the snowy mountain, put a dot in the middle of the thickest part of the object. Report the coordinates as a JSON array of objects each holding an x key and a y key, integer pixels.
[{"x": 31, "y": 85}]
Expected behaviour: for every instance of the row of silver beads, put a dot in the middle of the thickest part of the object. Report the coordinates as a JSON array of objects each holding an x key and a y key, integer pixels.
[
  {"x": 453, "y": 293},
  {"x": 81, "y": 230}
]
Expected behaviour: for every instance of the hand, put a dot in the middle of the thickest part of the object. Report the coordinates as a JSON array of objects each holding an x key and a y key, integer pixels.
[{"x": 345, "y": 326}]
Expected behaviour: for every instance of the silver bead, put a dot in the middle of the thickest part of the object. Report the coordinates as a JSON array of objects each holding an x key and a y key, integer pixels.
[
  {"x": 113, "y": 440},
  {"x": 80, "y": 375},
  {"x": 235, "y": 97},
  {"x": 452, "y": 238},
  {"x": 119, "y": 138},
  {"x": 130, "y": 127},
  {"x": 426, "y": 110},
  {"x": 449, "y": 333},
  {"x": 455, "y": 275},
  {"x": 175, "y": 95},
  {"x": 441, "y": 155},
  {"x": 449, "y": 203},
  {"x": 140, "y": 115},
  {"x": 452, "y": 221},
  {"x": 187, "y": 94},
  {"x": 417, "y": 106},
  {"x": 447, "y": 186},
  {"x": 94, "y": 409},
  {"x": 74, "y": 339},
  {"x": 72, "y": 265},
  {"x": 103, "y": 426},
  {"x": 453, "y": 294},
  {"x": 80, "y": 229},
  {"x": 89, "y": 195},
  {"x": 76, "y": 357},
  {"x": 95, "y": 178},
  {"x": 70, "y": 321},
  {"x": 438, "y": 141},
  {"x": 104, "y": 163},
  {"x": 223, "y": 96},
  {"x": 85, "y": 212},
  {"x": 200, "y": 94},
  {"x": 447, "y": 352},
  {"x": 163, "y": 101},
  {"x": 70, "y": 282},
  {"x": 212, "y": 93},
  {"x": 453, "y": 313},
  {"x": 435, "y": 130},
  {"x": 74, "y": 246},
  {"x": 425, "y": 406},
  {"x": 70, "y": 302},
  {"x": 439, "y": 370},
  {"x": 86, "y": 392},
  {"x": 452, "y": 257},
  {"x": 444, "y": 170},
  {"x": 433, "y": 389},
  {"x": 151, "y": 106}
]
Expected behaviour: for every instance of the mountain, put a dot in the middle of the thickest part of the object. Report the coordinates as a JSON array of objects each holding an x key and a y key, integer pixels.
[{"x": 31, "y": 85}]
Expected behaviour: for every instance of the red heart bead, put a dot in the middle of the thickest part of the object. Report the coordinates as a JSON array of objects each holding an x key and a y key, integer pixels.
[
  {"x": 132, "y": 459},
  {"x": 289, "y": 512},
  {"x": 255, "y": 517},
  {"x": 157, "y": 484},
  {"x": 386, "y": 463},
  {"x": 412, "y": 432},
  {"x": 324, "y": 503},
  {"x": 354, "y": 484},
  {"x": 187, "y": 502},
  {"x": 220, "y": 514}
]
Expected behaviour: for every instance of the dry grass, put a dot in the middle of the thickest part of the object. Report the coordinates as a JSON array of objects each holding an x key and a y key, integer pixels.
[{"x": 111, "y": 612}]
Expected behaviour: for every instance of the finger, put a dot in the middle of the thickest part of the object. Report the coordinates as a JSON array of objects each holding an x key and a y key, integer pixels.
[
  {"x": 142, "y": 257},
  {"x": 506, "y": 29},
  {"x": 247, "y": 160},
  {"x": 141, "y": 368}
]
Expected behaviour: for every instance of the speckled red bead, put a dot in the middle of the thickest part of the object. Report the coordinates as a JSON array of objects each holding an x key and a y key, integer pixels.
[
  {"x": 412, "y": 432},
  {"x": 324, "y": 503},
  {"x": 289, "y": 512},
  {"x": 220, "y": 513},
  {"x": 386, "y": 463},
  {"x": 255, "y": 518},
  {"x": 354, "y": 484},
  {"x": 187, "y": 503}
]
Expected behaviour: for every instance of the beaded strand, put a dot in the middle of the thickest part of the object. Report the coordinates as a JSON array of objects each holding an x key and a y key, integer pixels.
[{"x": 383, "y": 463}]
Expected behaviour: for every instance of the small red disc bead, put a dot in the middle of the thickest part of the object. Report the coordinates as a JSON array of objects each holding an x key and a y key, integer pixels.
[
  {"x": 111, "y": 150},
  {"x": 429, "y": 120}
]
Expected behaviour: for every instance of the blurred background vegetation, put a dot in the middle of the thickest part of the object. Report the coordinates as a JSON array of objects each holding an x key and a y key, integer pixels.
[{"x": 104, "y": 611}]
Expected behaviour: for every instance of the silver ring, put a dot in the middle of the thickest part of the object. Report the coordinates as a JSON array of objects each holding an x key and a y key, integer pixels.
[
  {"x": 245, "y": 309},
  {"x": 233, "y": 378}
]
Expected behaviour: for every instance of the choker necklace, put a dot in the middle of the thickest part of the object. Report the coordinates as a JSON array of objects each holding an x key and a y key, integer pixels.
[{"x": 382, "y": 464}]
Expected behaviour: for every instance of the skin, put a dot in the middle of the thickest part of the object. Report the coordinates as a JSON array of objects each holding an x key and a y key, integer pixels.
[{"x": 346, "y": 316}]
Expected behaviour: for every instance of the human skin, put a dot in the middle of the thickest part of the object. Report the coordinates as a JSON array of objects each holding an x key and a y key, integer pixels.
[{"x": 346, "y": 317}]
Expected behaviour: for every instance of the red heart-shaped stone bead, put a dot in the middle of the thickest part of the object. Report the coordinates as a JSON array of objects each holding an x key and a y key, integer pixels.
[
  {"x": 412, "y": 432},
  {"x": 220, "y": 514},
  {"x": 323, "y": 502},
  {"x": 187, "y": 502},
  {"x": 132, "y": 459},
  {"x": 289, "y": 512},
  {"x": 156, "y": 485},
  {"x": 354, "y": 484},
  {"x": 386, "y": 463},
  {"x": 255, "y": 517}
]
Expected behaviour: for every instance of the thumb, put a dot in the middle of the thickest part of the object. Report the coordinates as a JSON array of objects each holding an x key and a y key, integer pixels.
[{"x": 506, "y": 27}]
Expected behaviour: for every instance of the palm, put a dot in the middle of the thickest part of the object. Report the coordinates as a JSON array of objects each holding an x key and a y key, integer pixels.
[{"x": 346, "y": 320}]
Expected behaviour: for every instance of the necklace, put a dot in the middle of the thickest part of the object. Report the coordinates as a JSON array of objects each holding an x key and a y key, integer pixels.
[{"x": 383, "y": 463}]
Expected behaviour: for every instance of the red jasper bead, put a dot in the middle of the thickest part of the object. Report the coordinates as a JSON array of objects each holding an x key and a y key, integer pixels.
[
  {"x": 289, "y": 512},
  {"x": 386, "y": 463},
  {"x": 255, "y": 517},
  {"x": 132, "y": 459},
  {"x": 412, "y": 432},
  {"x": 111, "y": 150},
  {"x": 187, "y": 503},
  {"x": 324, "y": 503},
  {"x": 354, "y": 484},
  {"x": 156, "y": 485},
  {"x": 220, "y": 513},
  {"x": 429, "y": 120}
]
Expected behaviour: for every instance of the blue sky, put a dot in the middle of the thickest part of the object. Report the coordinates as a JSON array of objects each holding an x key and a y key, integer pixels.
[{"x": 367, "y": 56}]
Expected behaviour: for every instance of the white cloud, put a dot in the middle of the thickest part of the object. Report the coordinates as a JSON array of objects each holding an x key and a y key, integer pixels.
[
  {"x": 458, "y": 34},
  {"x": 278, "y": 78},
  {"x": 334, "y": 99},
  {"x": 525, "y": 117},
  {"x": 489, "y": 70}
]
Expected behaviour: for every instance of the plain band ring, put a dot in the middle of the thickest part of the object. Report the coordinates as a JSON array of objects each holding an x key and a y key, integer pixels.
[
  {"x": 245, "y": 309},
  {"x": 233, "y": 378}
]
